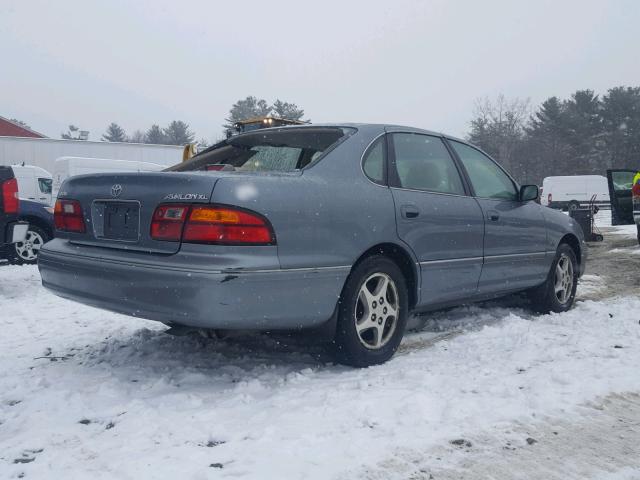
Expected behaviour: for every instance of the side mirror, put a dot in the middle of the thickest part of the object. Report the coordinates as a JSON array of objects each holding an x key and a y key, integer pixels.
[{"x": 529, "y": 192}]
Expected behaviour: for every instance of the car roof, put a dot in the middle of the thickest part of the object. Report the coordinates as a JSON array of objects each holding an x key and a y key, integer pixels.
[{"x": 382, "y": 127}]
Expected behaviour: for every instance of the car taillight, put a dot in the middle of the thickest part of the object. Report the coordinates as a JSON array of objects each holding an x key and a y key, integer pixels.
[
  {"x": 167, "y": 222},
  {"x": 10, "y": 196},
  {"x": 68, "y": 217},
  {"x": 226, "y": 225},
  {"x": 549, "y": 198},
  {"x": 211, "y": 224}
]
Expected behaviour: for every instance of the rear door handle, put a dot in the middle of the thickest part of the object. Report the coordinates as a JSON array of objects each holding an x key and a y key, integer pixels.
[
  {"x": 493, "y": 215},
  {"x": 409, "y": 211}
]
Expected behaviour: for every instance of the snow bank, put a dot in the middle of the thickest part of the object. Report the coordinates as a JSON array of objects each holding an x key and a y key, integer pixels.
[{"x": 85, "y": 393}]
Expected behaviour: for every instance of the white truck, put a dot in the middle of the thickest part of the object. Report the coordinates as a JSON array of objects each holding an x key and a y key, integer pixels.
[
  {"x": 572, "y": 192},
  {"x": 34, "y": 183}
]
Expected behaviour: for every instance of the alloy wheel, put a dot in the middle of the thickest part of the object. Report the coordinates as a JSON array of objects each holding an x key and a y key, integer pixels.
[
  {"x": 376, "y": 311},
  {"x": 563, "y": 284},
  {"x": 29, "y": 248}
]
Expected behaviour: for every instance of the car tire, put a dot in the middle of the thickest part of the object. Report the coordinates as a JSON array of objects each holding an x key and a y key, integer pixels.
[
  {"x": 558, "y": 292},
  {"x": 372, "y": 313},
  {"x": 26, "y": 253},
  {"x": 573, "y": 205}
]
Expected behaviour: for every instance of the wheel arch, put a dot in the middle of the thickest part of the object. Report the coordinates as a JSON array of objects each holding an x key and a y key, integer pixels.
[
  {"x": 405, "y": 262},
  {"x": 39, "y": 222},
  {"x": 571, "y": 240}
]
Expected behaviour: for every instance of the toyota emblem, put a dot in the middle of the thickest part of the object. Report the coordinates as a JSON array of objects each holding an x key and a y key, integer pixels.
[{"x": 116, "y": 190}]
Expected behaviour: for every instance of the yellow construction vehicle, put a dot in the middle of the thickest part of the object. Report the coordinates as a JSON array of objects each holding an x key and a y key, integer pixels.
[{"x": 257, "y": 123}]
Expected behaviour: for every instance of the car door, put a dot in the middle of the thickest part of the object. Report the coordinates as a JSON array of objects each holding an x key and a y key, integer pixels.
[
  {"x": 620, "y": 183},
  {"x": 436, "y": 217},
  {"x": 515, "y": 233}
]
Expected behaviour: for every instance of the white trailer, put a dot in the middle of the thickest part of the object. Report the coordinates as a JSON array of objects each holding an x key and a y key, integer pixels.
[{"x": 43, "y": 152}]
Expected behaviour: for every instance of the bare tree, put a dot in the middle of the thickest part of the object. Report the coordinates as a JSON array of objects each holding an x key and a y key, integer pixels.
[
  {"x": 137, "y": 136},
  {"x": 498, "y": 127}
]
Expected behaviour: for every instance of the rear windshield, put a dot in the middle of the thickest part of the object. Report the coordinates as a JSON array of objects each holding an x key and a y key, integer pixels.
[{"x": 278, "y": 150}]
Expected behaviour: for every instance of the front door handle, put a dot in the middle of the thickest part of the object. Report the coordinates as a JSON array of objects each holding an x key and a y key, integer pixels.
[
  {"x": 493, "y": 215},
  {"x": 409, "y": 211}
]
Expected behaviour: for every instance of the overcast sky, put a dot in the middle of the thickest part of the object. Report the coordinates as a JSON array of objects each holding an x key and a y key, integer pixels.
[{"x": 419, "y": 63}]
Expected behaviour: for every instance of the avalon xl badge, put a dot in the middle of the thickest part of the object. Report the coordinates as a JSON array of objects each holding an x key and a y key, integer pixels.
[{"x": 116, "y": 190}]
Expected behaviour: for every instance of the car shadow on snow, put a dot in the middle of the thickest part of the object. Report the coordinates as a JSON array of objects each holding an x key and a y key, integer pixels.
[{"x": 149, "y": 352}]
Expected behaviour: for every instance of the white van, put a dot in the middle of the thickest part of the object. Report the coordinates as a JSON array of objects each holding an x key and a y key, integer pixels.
[
  {"x": 571, "y": 192},
  {"x": 34, "y": 183},
  {"x": 66, "y": 167}
]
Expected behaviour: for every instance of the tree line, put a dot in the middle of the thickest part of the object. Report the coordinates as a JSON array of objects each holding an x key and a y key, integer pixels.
[
  {"x": 580, "y": 135},
  {"x": 252, "y": 107},
  {"x": 585, "y": 133},
  {"x": 176, "y": 133},
  {"x": 179, "y": 133}
]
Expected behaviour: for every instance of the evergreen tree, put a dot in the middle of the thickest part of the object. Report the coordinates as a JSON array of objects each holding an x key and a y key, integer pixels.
[
  {"x": 584, "y": 129},
  {"x": 178, "y": 133},
  {"x": 549, "y": 120},
  {"x": 248, "y": 108},
  {"x": 548, "y": 136},
  {"x": 582, "y": 135},
  {"x": 290, "y": 111},
  {"x": 621, "y": 125},
  {"x": 155, "y": 135},
  {"x": 114, "y": 133}
]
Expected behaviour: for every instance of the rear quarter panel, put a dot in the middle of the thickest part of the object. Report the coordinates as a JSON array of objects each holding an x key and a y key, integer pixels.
[{"x": 325, "y": 217}]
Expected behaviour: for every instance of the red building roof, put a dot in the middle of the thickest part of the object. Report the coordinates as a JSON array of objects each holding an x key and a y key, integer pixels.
[{"x": 13, "y": 129}]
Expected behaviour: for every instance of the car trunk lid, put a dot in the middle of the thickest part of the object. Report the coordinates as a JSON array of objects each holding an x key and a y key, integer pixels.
[{"x": 118, "y": 208}]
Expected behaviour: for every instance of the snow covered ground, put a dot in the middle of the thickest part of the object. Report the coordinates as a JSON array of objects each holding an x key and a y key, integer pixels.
[{"x": 487, "y": 391}]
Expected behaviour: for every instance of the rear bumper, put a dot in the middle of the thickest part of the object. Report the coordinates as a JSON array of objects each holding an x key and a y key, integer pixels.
[{"x": 226, "y": 299}]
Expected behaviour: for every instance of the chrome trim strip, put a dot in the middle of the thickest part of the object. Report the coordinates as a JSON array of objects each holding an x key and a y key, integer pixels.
[
  {"x": 489, "y": 258},
  {"x": 514, "y": 256},
  {"x": 284, "y": 270},
  {"x": 452, "y": 260},
  {"x": 430, "y": 192}
]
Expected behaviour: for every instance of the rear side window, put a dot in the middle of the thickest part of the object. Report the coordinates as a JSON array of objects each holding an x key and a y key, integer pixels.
[
  {"x": 487, "y": 178},
  {"x": 273, "y": 150},
  {"x": 423, "y": 163},
  {"x": 373, "y": 164}
]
